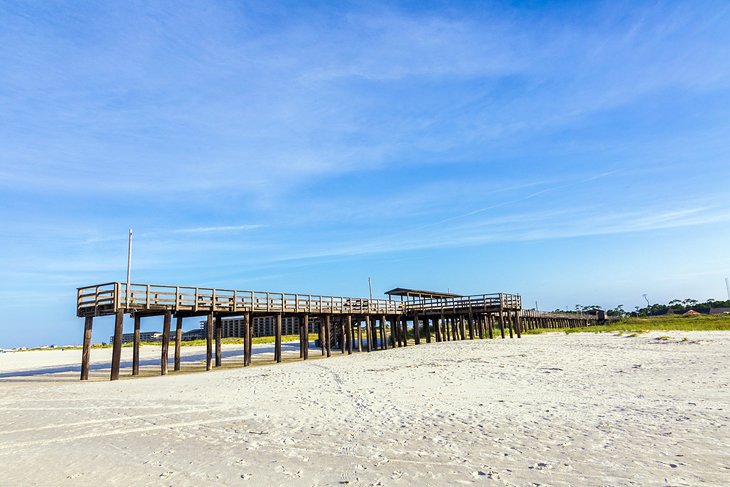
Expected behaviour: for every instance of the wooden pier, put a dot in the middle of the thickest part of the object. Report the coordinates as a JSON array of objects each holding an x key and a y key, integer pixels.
[{"x": 414, "y": 318}]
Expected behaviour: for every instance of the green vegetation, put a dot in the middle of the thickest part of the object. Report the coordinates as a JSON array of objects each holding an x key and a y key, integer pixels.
[
  {"x": 653, "y": 323},
  {"x": 675, "y": 306}
]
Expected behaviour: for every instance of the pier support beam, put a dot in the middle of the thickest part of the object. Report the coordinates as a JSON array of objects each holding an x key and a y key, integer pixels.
[
  {"x": 209, "y": 342},
  {"x": 320, "y": 333},
  {"x": 117, "y": 345},
  {"x": 178, "y": 341},
  {"x": 328, "y": 335},
  {"x": 277, "y": 340},
  {"x": 383, "y": 333},
  {"x": 501, "y": 322},
  {"x": 427, "y": 329},
  {"x": 404, "y": 323},
  {"x": 368, "y": 333},
  {"x": 135, "y": 345},
  {"x": 395, "y": 330},
  {"x": 359, "y": 335},
  {"x": 342, "y": 332},
  {"x": 518, "y": 325},
  {"x": 218, "y": 333},
  {"x": 348, "y": 334},
  {"x": 165, "y": 342},
  {"x": 416, "y": 330},
  {"x": 86, "y": 352},
  {"x": 247, "y": 346},
  {"x": 375, "y": 325},
  {"x": 304, "y": 329}
]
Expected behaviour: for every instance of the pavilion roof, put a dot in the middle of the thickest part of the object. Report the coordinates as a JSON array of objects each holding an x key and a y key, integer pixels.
[{"x": 419, "y": 293}]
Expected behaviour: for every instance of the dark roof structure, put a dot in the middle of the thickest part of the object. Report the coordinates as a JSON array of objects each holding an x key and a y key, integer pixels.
[
  {"x": 419, "y": 293},
  {"x": 719, "y": 311}
]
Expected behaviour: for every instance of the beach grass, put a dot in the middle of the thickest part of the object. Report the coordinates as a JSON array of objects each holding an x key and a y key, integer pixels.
[{"x": 652, "y": 323}]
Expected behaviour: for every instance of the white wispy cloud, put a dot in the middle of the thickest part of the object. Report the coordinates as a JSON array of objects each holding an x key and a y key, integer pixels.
[
  {"x": 221, "y": 229},
  {"x": 173, "y": 231}
]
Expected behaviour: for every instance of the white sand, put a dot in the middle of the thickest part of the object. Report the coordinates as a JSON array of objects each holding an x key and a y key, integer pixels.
[
  {"x": 582, "y": 409},
  {"x": 60, "y": 364}
]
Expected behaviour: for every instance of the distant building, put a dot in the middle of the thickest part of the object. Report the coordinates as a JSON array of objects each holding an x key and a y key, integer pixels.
[
  {"x": 720, "y": 311},
  {"x": 198, "y": 334},
  {"x": 144, "y": 336},
  {"x": 262, "y": 326}
]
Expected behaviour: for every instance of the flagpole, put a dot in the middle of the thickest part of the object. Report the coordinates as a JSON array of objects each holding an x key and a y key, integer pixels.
[{"x": 129, "y": 265}]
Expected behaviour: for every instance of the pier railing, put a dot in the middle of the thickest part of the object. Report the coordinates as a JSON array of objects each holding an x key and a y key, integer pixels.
[
  {"x": 464, "y": 304},
  {"x": 111, "y": 297}
]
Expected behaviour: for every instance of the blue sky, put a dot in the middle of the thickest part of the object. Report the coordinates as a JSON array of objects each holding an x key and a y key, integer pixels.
[{"x": 573, "y": 152}]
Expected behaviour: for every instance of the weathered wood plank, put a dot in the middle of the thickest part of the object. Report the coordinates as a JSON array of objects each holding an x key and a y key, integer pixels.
[
  {"x": 304, "y": 327},
  {"x": 247, "y": 345},
  {"x": 178, "y": 341},
  {"x": 165, "y": 342},
  {"x": 209, "y": 342},
  {"x": 86, "y": 351},
  {"x": 416, "y": 330},
  {"x": 135, "y": 345},
  {"x": 328, "y": 335},
  {"x": 218, "y": 336},
  {"x": 277, "y": 339},
  {"x": 117, "y": 345}
]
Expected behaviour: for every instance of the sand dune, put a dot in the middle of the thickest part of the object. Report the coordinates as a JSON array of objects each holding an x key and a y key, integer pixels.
[{"x": 581, "y": 409}]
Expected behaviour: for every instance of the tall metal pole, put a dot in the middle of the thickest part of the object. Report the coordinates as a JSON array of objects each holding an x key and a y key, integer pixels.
[
  {"x": 370, "y": 285},
  {"x": 727, "y": 286},
  {"x": 129, "y": 265}
]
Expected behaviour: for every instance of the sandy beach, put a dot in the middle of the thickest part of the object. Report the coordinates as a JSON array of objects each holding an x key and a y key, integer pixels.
[{"x": 553, "y": 409}]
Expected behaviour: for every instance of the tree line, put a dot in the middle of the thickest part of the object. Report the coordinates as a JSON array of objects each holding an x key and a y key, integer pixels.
[{"x": 675, "y": 306}]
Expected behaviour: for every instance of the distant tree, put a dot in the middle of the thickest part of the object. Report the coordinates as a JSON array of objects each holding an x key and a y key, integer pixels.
[{"x": 618, "y": 311}]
